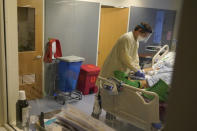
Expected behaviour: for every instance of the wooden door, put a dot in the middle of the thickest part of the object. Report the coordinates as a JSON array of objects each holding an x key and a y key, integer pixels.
[
  {"x": 30, "y": 46},
  {"x": 113, "y": 23}
]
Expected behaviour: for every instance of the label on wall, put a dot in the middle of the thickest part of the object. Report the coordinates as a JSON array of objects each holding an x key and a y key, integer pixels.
[{"x": 158, "y": 27}]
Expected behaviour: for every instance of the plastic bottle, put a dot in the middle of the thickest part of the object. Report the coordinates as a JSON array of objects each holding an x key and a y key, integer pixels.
[{"x": 22, "y": 110}]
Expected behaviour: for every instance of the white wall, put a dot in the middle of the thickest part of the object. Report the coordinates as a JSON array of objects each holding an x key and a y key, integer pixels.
[{"x": 77, "y": 33}]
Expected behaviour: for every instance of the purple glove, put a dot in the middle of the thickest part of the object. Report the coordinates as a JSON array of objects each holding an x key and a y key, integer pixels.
[{"x": 139, "y": 74}]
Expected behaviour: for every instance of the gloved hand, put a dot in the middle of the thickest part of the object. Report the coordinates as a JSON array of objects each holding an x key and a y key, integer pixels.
[{"x": 139, "y": 74}]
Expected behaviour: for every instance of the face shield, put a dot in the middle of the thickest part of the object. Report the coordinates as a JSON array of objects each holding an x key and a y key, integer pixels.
[
  {"x": 147, "y": 32},
  {"x": 147, "y": 37},
  {"x": 144, "y": 38}
]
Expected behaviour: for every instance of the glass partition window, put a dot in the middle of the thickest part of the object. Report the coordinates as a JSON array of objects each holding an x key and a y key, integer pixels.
[
  {"x": 26, "y": 29},
  {"x": 87, "y": 30}
]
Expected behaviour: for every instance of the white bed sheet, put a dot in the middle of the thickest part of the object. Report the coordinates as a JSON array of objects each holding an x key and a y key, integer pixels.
[{"x": 163, "y": 69}]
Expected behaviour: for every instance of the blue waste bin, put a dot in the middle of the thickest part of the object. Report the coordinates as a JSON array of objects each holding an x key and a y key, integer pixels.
[{"x": 68, "y": 72}]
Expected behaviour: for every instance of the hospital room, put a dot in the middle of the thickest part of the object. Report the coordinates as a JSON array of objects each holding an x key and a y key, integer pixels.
[{"x": 97, "y": 65}]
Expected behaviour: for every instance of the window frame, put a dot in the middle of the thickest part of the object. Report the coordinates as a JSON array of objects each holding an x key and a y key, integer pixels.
[
  {"x": 3, "y": 103},
  {"x": 9, "y": 85},
  {"x": 9, "y": 73}
]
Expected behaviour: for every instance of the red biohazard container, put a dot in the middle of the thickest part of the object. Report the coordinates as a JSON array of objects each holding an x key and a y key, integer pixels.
[{"x": 87, "y": 79}]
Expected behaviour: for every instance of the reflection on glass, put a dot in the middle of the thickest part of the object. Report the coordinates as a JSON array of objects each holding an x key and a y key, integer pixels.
[{"x": 26, "y": 29}]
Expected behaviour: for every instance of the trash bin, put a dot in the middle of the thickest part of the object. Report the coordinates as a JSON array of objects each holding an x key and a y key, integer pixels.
[
  {"x": 68, "y": 72},
  {"x": 87, "y": 79}
]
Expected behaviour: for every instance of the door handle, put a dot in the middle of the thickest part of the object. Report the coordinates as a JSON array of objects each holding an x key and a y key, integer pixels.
[{"x": 38, "y": 57}]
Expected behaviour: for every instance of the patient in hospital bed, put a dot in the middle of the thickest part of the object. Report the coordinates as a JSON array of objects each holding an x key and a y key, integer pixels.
[{"x": 163, "y": 69}]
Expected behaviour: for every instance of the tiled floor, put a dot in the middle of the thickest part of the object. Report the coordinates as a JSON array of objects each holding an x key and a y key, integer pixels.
[{"x": 48, "y": 104}]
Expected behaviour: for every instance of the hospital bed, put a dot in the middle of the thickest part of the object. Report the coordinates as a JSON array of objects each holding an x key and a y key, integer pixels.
[
  {"x": 129, "y": 104},
  {"x": 160, "y": 54},
  {"x": 155, "y": 53}
]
